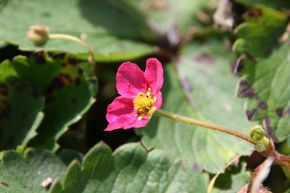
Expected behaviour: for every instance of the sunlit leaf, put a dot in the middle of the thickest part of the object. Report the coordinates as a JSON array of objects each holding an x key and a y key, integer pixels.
[
  {"x": 173, "y": 17},
  {"x": 259, "y": 34},
  {"x": 130, "y": 169},
  {"x": 27, "y": 172},
  {"x": 111, "y": 28},
  {"x": 266, "y": 85}
]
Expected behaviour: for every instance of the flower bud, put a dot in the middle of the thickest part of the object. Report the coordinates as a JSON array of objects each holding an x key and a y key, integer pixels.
[
  {"x": 260, "y": 147},
  {"x": 264, "y": 142},
  {"x": 38, "y": 34},
  {"x": 257, "y": 133}
]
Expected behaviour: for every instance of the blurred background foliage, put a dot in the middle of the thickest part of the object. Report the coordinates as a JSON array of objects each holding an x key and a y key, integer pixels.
[{"x": 218, "y": 55}]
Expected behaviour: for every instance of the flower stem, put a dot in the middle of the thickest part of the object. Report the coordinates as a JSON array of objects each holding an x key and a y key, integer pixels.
[
  {"x": 215, "y": 127},
  {"x": 79, "y": 41}
]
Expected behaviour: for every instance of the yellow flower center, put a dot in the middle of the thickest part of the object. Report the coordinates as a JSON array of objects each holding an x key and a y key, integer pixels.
[{"x": 144, "y": 104}]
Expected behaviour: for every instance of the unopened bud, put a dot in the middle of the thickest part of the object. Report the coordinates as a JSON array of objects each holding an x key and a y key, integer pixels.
[
  {"x": 38, "y": 34},
  {"x": 265, "y": 142},
  {"x": 257, "y": 133},
  {"x": 260, "y": 147}
]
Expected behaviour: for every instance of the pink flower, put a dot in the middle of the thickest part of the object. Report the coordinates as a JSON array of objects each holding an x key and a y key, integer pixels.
[{"x": 140, "y": 95}]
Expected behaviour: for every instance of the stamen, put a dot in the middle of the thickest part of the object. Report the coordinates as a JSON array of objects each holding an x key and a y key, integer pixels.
[
  {"x": 148, "y": 93},
  {"x": 143, "y": 103}
]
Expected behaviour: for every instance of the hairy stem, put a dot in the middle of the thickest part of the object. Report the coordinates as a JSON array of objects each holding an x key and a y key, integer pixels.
[
  {"x": 79, "y": 41},
  {"x": 211, "y": 126}
]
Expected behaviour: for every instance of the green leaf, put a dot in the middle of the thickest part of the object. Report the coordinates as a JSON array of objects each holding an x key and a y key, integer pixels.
[
  {"x": 68, "y": 90},
  {"x": 24, "y": 173},
  {"x": 111, "y": 28},
  {"x": 207, "y": 93},
  {"x": 26, "y": 82},
  {"x": 39, "y": 69},
  {"x": 233, "y": 180},
  {"x": 67, "y": 156},
  {"x": 66, "y": 109},
  {"x": 130, "y": 169},
  {"x": 259, "y": 34},
  {"x": 266, "y": 86},
  {"x": 20, "y": 108},
  {"x": 278, "y": 4},
  {"x": 2, "y": 44},
  {"x": 173, "y": 17}
]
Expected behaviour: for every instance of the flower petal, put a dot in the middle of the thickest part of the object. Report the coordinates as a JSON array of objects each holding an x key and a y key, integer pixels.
[
  {"x": 120, "y": 113},
  {"x": 119, "y": 107},
  {"x": 122, "y": 122},
  {"x": 158, "y": 102},
  {"x": 138, "y": 123},
  {"x": 154, "y": 75},
  {"x": 130, "y": 80}
]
